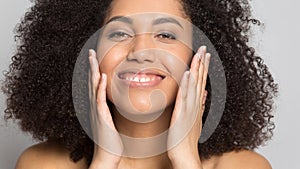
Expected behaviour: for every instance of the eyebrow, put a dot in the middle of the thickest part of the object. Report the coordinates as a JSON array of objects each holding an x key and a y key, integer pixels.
[
  {"x": 155, "y": 22},
  {"x": 120, "y": 19},
  {"x": 166, "y": 20}
]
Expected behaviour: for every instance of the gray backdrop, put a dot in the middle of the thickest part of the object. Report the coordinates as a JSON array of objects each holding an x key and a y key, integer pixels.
[{"x": 277, "y": 43}]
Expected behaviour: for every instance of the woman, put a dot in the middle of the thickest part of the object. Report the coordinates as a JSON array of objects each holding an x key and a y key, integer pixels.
[{"x": 44, "y": 106}]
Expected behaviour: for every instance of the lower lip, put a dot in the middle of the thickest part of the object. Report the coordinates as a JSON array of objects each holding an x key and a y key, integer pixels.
[{"x": 134, "y": 84}]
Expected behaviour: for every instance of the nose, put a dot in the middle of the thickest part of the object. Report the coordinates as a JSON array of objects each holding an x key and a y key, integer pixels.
[{"x": 141, "y": 49}]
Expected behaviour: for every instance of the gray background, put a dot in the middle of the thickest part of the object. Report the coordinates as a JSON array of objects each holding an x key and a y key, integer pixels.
[{"x": 276, "y": 42}]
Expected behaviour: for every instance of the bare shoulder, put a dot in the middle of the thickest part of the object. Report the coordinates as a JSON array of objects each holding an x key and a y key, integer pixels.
[
  {"x": 243, "y": 159},
  {"x": 48, "y": 155}
]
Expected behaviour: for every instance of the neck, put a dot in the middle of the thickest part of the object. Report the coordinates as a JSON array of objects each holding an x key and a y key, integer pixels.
[
  {"x": 157, "y": 162},
  {"x": 144, "y": 131}
]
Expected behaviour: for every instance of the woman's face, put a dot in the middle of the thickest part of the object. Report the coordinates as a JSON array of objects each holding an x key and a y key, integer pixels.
[{"x": 144, "y": 49}]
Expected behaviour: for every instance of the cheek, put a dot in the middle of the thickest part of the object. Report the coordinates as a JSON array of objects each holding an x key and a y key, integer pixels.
[
  {"x": 110, "y": 58},
  {"x": 108, "y": 64},
  {"x": 178, "y": 62},
  {"x": 109, "y": 55},
  {"x": 180, "y": 51},
  {"x": 185, "y": 54}
]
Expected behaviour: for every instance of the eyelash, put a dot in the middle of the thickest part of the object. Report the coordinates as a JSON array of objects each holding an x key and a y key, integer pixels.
[
  {"x": 119, "y": 36},
  {"x": 166, "y": 35}
]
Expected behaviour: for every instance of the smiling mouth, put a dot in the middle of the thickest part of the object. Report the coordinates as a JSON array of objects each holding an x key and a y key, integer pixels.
[{"x": 141, "y": 79}]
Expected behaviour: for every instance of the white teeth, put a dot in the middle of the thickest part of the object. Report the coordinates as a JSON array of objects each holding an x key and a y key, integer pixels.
[
  {"x": 145, "y": 79},
  {"x": 136, "y": 79},
  {"x": 142, "y": 79}
]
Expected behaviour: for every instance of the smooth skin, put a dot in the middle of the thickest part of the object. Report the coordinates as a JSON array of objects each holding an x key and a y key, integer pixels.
[
  {"x": 50, "y": 155},
  {"x": 188, "y": 101}
]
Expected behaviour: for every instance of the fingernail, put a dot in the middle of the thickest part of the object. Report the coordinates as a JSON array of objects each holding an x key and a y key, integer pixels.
[
  {"x": 90, "y": 52},
  {"x": 187, "y": 73},
  {"x": 199, "y": 53},
  {"x": 202, "y": 49},
  {"x": 208, "y": 55}
]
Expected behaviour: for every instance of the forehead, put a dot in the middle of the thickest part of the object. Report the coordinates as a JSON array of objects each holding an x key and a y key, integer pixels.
[{"x": 130, "y": 7}]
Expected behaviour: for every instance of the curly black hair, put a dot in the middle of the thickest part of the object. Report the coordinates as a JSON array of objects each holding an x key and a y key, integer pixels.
[{"x": 51, "y": 34}]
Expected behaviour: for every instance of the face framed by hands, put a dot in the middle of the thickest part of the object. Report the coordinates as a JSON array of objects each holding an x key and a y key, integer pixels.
[{"x": 145, "y": 56}]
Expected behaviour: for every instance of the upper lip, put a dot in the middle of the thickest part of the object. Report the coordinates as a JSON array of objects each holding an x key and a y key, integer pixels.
[{"x": 144, "y": 71}]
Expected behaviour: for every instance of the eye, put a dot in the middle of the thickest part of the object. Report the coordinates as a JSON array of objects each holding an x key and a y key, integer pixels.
[
  {"x": 166, "y": 35},
  {"x": 119, "y": 36}
]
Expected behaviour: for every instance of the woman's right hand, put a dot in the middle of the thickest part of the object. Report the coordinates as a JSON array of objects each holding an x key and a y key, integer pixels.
[
  {"x": 104, "y": 131},
  {"x": 186, "y": 121}
]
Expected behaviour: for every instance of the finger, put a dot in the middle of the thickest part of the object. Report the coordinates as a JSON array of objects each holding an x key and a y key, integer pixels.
[
  {"x": 94, "y": 69},
  {"x": 196, "y": 63},
  {"x": 90, "y": 85},
  {"x": 93, "y": 83},
  {"x": 203, "y": 94},
  {"x": 202, "y": 111},
  {"x": 205, "y": 73},
  {"x": 103, "y": 109},
  {"x": 92, "y": 59},
  {"x": 200, "y": 76},
  {"x": 101, "y": 95},
  {"x": 184, "y": 84},
  {"x": 192, "y": 92},
  {"x": 181, "y": 97},
  {"x": 204, "y": 97}
]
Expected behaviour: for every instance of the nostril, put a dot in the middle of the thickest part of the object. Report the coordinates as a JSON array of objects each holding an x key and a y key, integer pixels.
[{"x": 142, "y": 56}]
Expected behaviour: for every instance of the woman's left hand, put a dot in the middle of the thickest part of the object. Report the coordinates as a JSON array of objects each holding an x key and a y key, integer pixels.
[{"x": 186, "y": 121}]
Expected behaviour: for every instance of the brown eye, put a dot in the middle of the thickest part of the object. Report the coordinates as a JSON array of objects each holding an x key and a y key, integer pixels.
[
  {"x": 166, "y": 36},
  {"x": 119, "y": 36}
]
